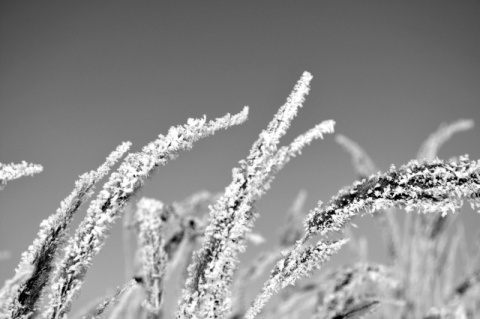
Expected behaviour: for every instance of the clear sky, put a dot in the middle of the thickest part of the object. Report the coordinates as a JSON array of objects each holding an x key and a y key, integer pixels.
[{"x": 78, "y": 78}]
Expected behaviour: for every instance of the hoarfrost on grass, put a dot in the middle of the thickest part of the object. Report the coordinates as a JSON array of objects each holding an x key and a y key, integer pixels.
[{"x": 422, "y": 255}]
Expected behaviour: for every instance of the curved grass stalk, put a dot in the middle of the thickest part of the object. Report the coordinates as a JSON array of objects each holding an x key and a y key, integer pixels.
[{"x": 429, "y": 187}]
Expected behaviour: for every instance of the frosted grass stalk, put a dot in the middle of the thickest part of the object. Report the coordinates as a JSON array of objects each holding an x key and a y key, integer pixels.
[
  {"x": 109, "y": 302},
  {"x": 291, "y": 232},
  {"x": 428, "y": 186},
  {"x": 435, "y": 224},
  {"x": 40, "y": 256},
  {"x": 207, "y": 293},
  {"x": 10, "y": 290},
  {"x": 347, "y": 295},
  {"x": 428, "y": 231},
  {"x": 110, "y": 202},
  {"x": 296, "y": 264},
  {"x": 364, "y": 167},
  {"x": 151, "y": 216},
  {"x": 13, "y": 171},
  {"x": 428, "y": 151}
]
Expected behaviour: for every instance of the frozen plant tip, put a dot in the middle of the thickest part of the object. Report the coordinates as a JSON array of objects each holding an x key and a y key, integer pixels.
[{"x": 13, "y": 171}]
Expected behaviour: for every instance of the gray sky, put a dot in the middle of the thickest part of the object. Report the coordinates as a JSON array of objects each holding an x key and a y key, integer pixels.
[{"x": 78, "y": 78}]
